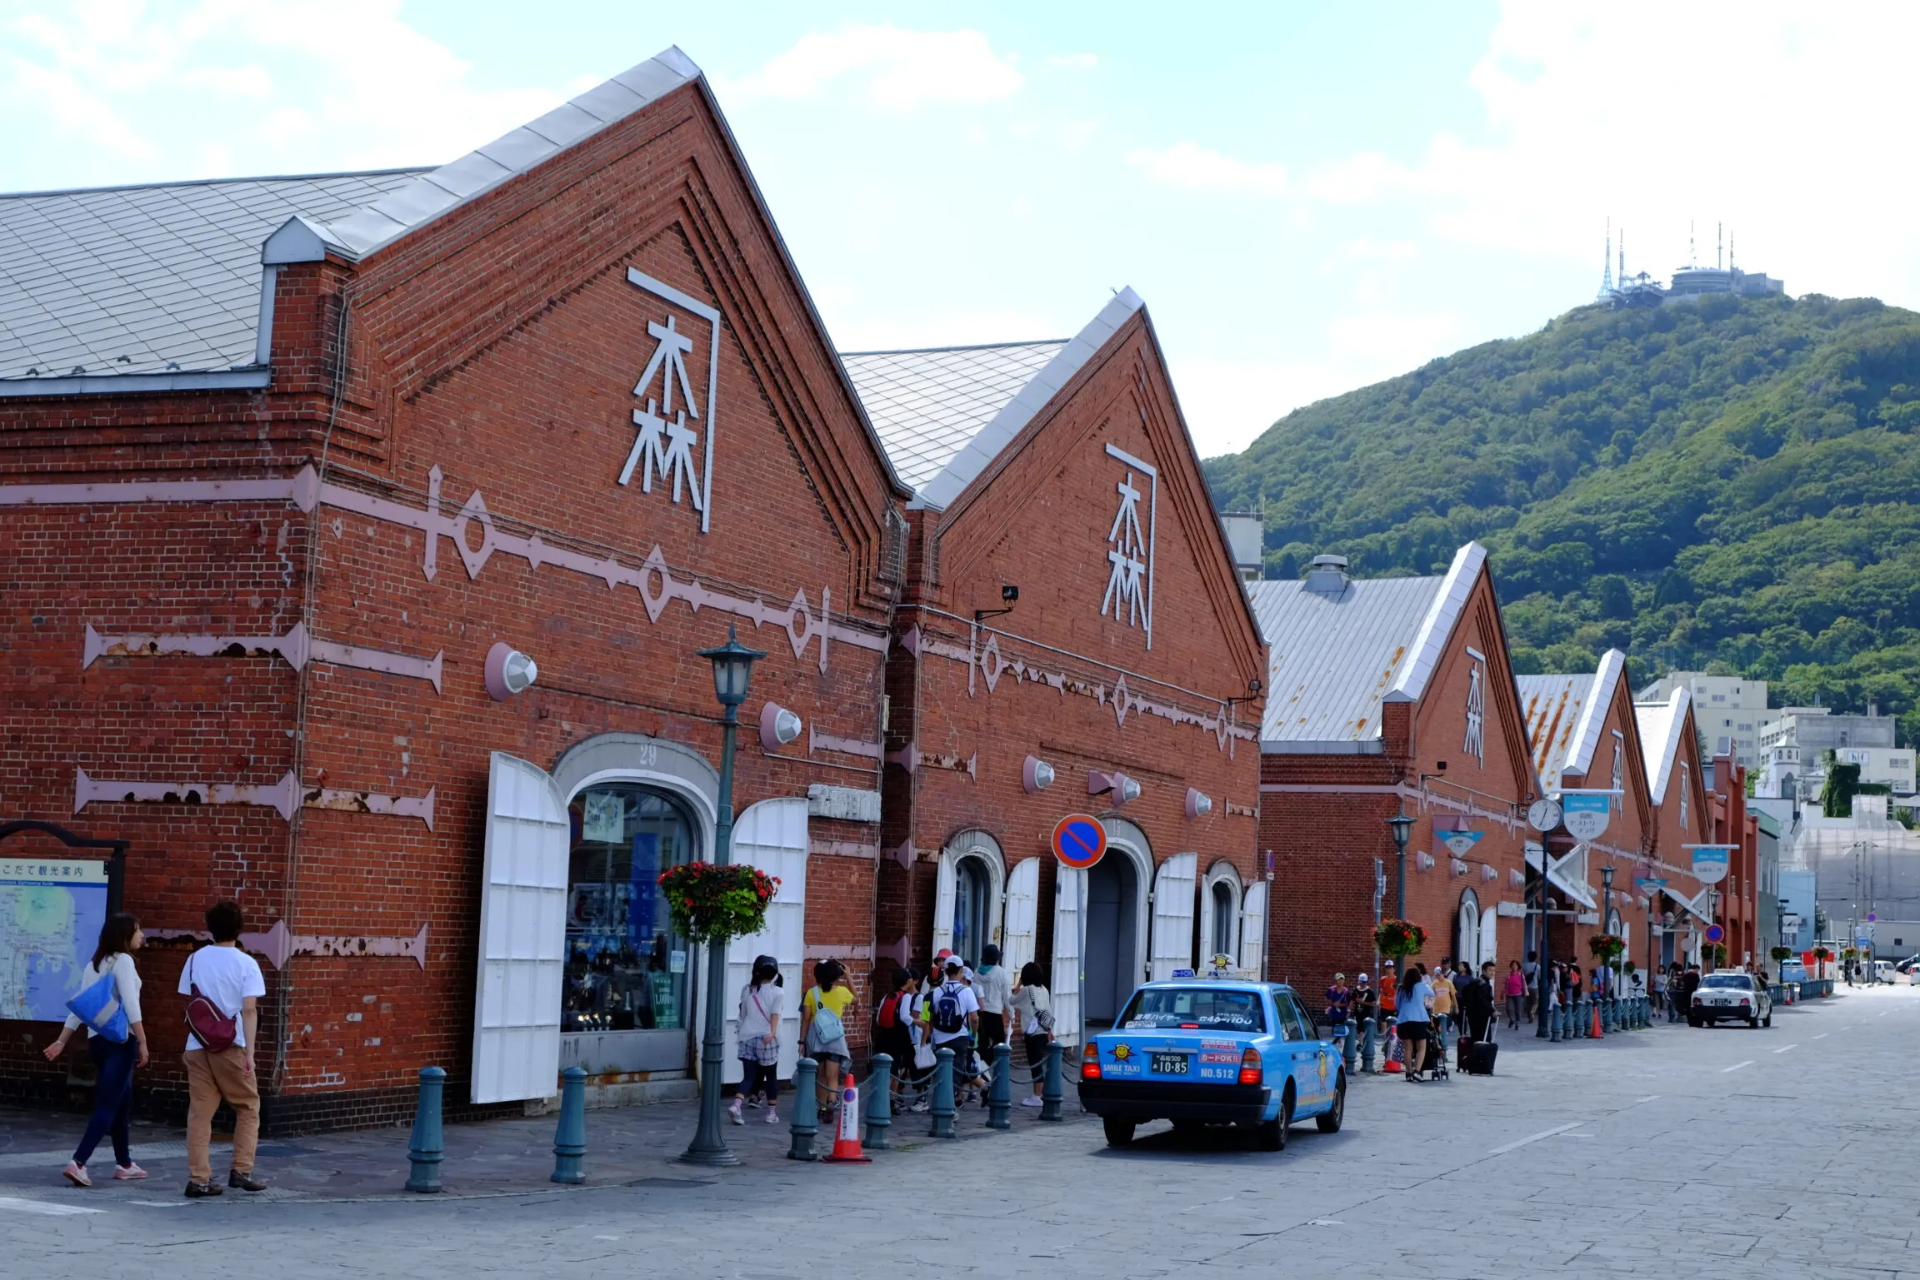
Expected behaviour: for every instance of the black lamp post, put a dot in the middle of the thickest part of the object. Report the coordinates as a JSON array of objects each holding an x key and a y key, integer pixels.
[
  {"x": 1402, "y": 826},
  {"x": 1606, "y": 912},
  {"x": 732, "y": 673}
]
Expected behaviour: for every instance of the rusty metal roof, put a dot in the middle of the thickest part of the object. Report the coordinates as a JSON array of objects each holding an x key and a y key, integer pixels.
[{"x": 1554, "y": 708}]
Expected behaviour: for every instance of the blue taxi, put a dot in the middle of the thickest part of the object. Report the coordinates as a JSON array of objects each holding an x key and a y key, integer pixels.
[{"x": 1201, "y": 1051}]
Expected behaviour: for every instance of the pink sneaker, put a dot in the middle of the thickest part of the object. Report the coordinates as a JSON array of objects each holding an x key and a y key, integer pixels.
[
  {"x": 772, "y": 1118},
  {"x": 77, "y": 1174},
  {"x": 128, "y": 1171}
]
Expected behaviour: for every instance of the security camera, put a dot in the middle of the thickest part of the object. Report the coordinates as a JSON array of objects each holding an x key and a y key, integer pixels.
[{"x": 1009, "y": 593}]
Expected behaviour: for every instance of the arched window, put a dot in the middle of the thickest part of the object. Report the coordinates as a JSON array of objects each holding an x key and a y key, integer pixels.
[
  {"x": 1224, "y": 919},
  {"x": 1466, "y": 933},
  {"x": 972, "y": 907},
  {"x": 1220, "y": 911},
  {"x": 626, "y": 970}
]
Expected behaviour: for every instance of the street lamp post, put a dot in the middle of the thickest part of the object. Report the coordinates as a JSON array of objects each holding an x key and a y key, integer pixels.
[
  {"x": 1402, "y": 827},
  {"x": 732, "y": 673},
  {"x": 1606, "y": 924}
]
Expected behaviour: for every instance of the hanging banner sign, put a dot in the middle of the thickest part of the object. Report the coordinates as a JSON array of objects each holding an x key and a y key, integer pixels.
[
  {"x": 1585, "y": 816},
  {"x": 1460, "y": 842},
  {"x": 1644, "y": 882},
  {"x": 1710, "y": 862}
]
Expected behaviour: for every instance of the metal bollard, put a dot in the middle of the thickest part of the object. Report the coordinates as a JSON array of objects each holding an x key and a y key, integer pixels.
[
  {"x": 427, "y": 1148},
  {"x": 806, "y": 1110},
  {"x": 943, "y": 1108},
  {"x": 570, "y": 1135},
  {"x": 1000, "y": 1091},
  {"x": 880, "y": 1102},
  {"x": 1053, "y": 1092},
  {"x": 1349, "y": 1045},
  {"x": 1553, "y": 1024},
  {"x": 1367, "y": 1031}
]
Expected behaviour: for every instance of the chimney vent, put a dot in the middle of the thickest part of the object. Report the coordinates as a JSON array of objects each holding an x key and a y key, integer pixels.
[{"x": 1328, "y": 576}]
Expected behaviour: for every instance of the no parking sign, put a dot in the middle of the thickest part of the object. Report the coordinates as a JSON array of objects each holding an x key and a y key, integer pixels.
[{"x": 1079, "y": 840}]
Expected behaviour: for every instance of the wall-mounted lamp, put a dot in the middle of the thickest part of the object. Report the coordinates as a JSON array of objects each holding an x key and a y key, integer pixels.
[
  {"x": 778, "y": 726},
  {"x": 509, "y": 671},
  {"x": 1424, "y": 861},
  {"x": 1199, "y": 804},
  {"x": 1036, "y": 775},
  {"x": 1122, "y": 787}
]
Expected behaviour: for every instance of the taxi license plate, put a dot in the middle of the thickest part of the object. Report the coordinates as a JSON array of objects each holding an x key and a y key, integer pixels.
[{"x": 1170, "y": 1064}]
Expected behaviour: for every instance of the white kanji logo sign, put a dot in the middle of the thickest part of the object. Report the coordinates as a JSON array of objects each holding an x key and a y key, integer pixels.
[
  {"x": 669, "y": 428},
  {"x": 1129, "y": 594}
]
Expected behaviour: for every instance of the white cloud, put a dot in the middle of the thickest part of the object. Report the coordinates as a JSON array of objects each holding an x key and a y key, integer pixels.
[
  {"x": 1195, "y": 168},
  {"x": 897, "y": 69},
  {"x": 1781, "y": 119}
]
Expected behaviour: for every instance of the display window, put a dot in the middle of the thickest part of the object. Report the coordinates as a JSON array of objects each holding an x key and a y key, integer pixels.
[{"x": 626, "y": 968}]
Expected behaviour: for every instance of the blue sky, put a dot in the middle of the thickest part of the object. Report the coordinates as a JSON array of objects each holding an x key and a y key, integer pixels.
[{"x": 1309, "y": 197}]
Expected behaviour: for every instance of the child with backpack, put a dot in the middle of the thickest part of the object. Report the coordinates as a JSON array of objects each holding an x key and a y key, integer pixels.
[
  {"x": 953, "y": 1018},
  {"x": 893, "y": 1022},
  {"x": 823, "y": 1028}
]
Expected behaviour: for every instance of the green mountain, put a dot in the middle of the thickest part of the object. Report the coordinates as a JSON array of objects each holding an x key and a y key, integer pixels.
[{"x": 1726, "y": 484}]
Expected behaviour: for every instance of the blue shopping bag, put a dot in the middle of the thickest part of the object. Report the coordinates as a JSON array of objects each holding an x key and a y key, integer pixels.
[{"x": 99, "y": 1007}]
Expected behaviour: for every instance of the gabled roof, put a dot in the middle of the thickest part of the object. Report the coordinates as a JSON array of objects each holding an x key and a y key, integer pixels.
[
  {"x": 945, "y": 414},
  {"x": 1661, "y": 725},
  {"x": 437, "y": 192},
  {"x": 928, "y": 405},
  {"x": 1333, "y": 660},
  {"x": 1564, "y": 716},
  {"x": 150, "y": 280}
]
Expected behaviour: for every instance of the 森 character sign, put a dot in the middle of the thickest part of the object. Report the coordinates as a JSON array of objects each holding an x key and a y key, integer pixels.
[{"x": 1079, "y": 840}]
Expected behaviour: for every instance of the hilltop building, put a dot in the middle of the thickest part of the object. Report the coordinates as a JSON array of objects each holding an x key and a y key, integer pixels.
[
  {"x": 1795, "y": 742},
  {"x": 1688, "y": 282}
]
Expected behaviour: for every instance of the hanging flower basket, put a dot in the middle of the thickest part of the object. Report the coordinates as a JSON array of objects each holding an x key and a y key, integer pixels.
[
  {"x": 1605, "y": 946},
  {"x": 1781, "y": 953},
  {"x": 1398, "y": 939},
  {"x": 1850, "y": 953},
  {"x": 709, "y": 902},
  {"x": 1822, "y": 954}
]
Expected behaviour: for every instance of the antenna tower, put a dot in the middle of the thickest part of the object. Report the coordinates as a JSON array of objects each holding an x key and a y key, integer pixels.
[
  {"x": 1606, "y": 265},
  {"x": 1718, "y": 234},
  {"x": 1623, "y": 257}
]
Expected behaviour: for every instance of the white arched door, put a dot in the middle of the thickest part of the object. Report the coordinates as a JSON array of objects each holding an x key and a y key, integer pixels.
[
  {"x": 1253, "y": 931},
  {"x": 970, "y": 887},
  {"x": 1023, "y": 915},
  {"x": 1172, "y": 941},
  {"x": 772, "y": 836}
]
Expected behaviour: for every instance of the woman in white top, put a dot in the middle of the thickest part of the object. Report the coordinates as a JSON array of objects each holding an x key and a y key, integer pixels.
[
  {"x": 113, "y": 1062},
  {"x": 1033, "y": 1008}
]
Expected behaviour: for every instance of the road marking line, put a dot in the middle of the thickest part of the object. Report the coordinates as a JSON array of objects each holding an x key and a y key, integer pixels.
[
  {"x": 1652, "y": 1097},
  {"x": 1823, "y": 1035},
  {"x": 1784, "y": 1048},
  {"x": 1544, "y": 1133},
  {"x": 1736, "y": 1066},
  {"x": 43, "y": 1207}
]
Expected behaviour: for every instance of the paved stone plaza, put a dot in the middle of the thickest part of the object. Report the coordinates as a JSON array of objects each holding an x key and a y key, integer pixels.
[{"x": 1673, "y": 1152}]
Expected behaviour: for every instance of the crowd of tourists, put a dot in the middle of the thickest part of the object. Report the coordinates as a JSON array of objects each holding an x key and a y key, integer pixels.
[{"x": 953, "y": 1005}]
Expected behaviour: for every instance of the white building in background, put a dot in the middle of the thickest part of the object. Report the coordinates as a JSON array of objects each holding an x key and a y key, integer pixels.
[
  {"x": 1795, "y": 741},
  {"x": 1245, "y": 537},
  {"x": 1728, "y": 709},
  {"x": 1866, "y": 876}
]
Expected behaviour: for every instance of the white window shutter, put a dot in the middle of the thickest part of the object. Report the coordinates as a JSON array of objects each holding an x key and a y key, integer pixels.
[
  {"x": 772, "y": 836},
  {"x": 1206, "y": 924},
  {"x": 1253, "y": 931},
  {"x": 523, "y": 935},
  {"x": 1173, "y": 889},
  {"x": 1023, "y": 915},
  {"x": 943, "y": 905},
  {"x": 1069, "y": 911},
  {"x": 1489, "y": 937}
]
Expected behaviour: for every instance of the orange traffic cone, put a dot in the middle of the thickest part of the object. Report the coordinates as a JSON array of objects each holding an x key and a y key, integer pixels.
[
  {"x": 846, "y": 1143},
  {"x": 1597, "y": 1033}
]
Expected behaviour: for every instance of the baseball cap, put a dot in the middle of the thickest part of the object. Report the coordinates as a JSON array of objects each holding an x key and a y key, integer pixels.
[
  {"x": 1363, "y": 977},
  {"x": 1341, "y": 977},
  {"x": 951, "y": 961}
]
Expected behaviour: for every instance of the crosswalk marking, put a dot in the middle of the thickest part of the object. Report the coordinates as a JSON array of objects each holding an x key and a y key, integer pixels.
[{"x": 44, "y": 1207}]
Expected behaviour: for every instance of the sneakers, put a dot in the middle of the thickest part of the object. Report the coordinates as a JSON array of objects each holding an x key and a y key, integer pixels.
[
  {"x": 733, "y": 1114},
  {"x": 128, "y": 1171},
  {"x": 918, "y": 1106},
  {"x": 200, "y": 1190},
  {"x": 1033, "y": 1100},
  {"x": 76, "y": 1174},
  {"x": 244, "y": 1182},
  {"x": 771, "y": 1117},
  {"x": 756, "y": 1101}
]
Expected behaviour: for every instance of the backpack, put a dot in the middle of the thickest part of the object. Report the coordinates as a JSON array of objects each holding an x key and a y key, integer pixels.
[
  {"x": 890, "y": 1010},
  {"x": 827, "y": 1027},
  {"x": 947, "y": 1018}
]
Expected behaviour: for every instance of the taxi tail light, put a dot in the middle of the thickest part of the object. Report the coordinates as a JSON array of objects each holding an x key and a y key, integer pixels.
[
  {"x": 1090, "y": 1062},
  {"x": 1250, "y": 1067}
]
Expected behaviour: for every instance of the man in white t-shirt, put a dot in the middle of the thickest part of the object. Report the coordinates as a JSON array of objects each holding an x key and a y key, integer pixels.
[
  {"x": 231, "y": 980},
  {"x": 953, "y": 1013}
]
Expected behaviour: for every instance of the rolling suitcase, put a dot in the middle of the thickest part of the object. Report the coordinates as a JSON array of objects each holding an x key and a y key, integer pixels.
[{"x": 1478, "y": 1058}]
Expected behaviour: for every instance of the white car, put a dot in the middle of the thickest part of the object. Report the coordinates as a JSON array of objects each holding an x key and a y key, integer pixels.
[{"x": 1731, "y": 995}]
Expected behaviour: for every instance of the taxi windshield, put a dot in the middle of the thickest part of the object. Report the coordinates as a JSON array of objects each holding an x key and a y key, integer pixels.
[
  {"x": 1738, "y": 980},
  {"x": 1196, "y": 1008}
]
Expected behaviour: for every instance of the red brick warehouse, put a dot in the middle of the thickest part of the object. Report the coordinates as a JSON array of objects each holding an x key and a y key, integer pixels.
[
  {"x": 1073, "y": 636},
  {"x": 283, "y": 489},
  {"x": 1391, "y": 695}
]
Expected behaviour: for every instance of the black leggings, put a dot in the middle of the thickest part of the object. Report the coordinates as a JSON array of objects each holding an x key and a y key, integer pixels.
[{"x": 759, "y": 1079}]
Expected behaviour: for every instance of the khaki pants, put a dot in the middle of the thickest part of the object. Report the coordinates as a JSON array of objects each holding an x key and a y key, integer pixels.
[{"x": 211, "y": 1077}]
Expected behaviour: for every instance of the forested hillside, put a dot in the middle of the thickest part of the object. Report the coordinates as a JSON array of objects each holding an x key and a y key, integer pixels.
[{"x": 1725, "y": 481}]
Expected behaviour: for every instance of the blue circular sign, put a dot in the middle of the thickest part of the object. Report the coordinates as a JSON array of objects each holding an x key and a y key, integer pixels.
[
  {"x": 1715, "y": 933},
  {"x": 1079, "y": 840}
]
